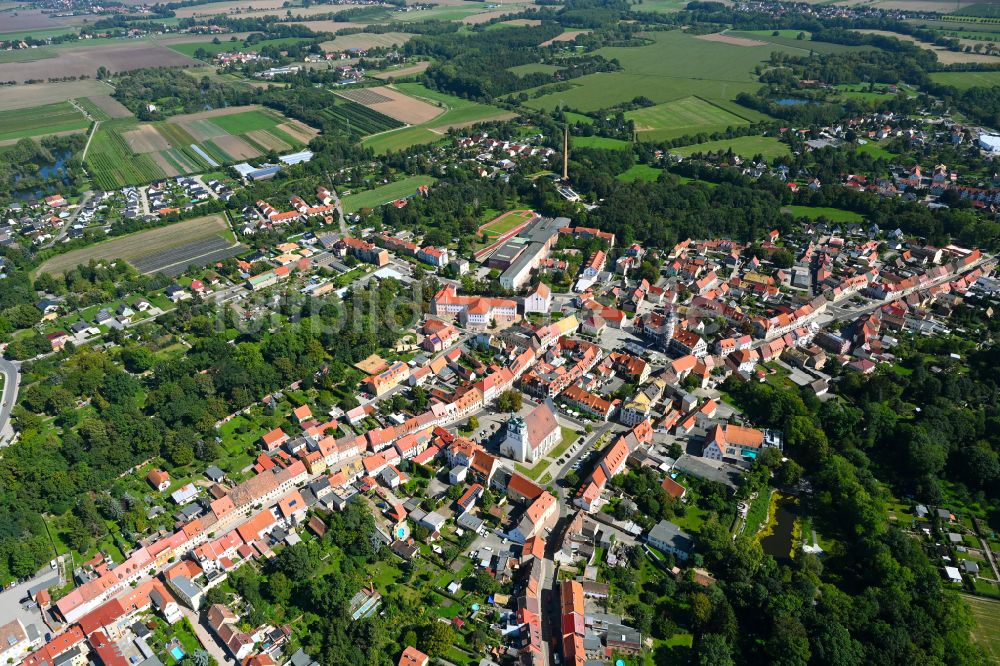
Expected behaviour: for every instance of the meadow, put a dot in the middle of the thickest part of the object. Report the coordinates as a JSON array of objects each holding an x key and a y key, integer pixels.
[
  {"x": 386, "y": 193},
  {"x": 986, "y": 631},
  {"x": 789, "y": 39},
  {"x": 681, "y": 117},
  {"x": 41, "y": 120},
  {"x": 744, "y": 146},
  {"x": 601, "y": 142},
  {"x": 642, "y": 172},
  {"x": 966, "y": 80},
  {"x": 714, "y": 71},
  {"x": 816, "y": 212},
  {"x": 189, "y": 48}
]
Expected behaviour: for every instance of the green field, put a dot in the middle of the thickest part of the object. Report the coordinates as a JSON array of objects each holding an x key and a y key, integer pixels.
[
  {"x": 744, "y": 146},
  {"x": 986, "y": 632},
  {"x": 189, "y": 48},
  {"x": 690, "y": 115},
  {"x": 787, "y": 39},
  {"x": 642, "y": 172},
  {"x": 41, "y": 120},
  {"x": 385, "y": 194},
  {"x": 533, "y": 68},
  {"x": 247, "y": 121},
  {"x": 27, "y": 55},
  {"x": 876, "y": 151},
  {"x": 501, "y": 224},
  {"x": 815, "y": 212},
  {"x": 602, "y": 142},
  {"x": 966, "y": 80},
  {"x": 112, "y": 163},
  {"x": 459, "y": 112},
  {"x": 981, "y": 10},
  {"x": 443, "y": 12},
  {"x": 713, "y": 71}
]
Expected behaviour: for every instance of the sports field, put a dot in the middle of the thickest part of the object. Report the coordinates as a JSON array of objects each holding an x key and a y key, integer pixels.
[
  {"x": 502, "y": 224},
  {"x": 966, "y": 80},
  {"x": 140, "y": 244},
  {"x": 386, "y": 193},
  {"x": 41, "y": 120},
  {"x": 712, "y": 70},
  {"x": 744, "y": 146},
  {"x": 986, "y": 631},
  {"x": 690, "y": 115}
]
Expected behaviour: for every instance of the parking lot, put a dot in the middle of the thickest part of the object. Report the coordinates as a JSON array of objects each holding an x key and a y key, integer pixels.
[{"x": 14, "y": 604}]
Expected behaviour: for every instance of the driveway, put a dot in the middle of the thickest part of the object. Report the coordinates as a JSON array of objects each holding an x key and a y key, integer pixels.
[{"x": 206, "y": 639}]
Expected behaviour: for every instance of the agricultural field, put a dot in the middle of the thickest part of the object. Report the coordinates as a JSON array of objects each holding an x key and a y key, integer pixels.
[
  {"x": 744, "y": 146},
  {"x": 690, "y": 115},
  {"x": 192, "y": 143},
  {"x": 386, "y": 193},
  {"x": 944, "y": 56},
  {"x": 714, "y": 71},
  {"x": 40, "y": 121},
  {"x": 402, "y": 72},
  {"x": 458, "y": 112},
  {"x": 360, "y": 117},
  {"x": 393, "y": 103},
  {"x": 140, "y": 244},
  {"x": 567, "y": 36},
  {"x": 38, "y": 94},
  {"x": 789, "y": 39},
  {"x": 986, "y": 631},
  {"x": 966, "y": 80},
  {"x": 189, "y": 48},
  {"x": 76, "y": 60},
  {"x": 367, "y": 40},
  {"x": 113, "y": 164}
]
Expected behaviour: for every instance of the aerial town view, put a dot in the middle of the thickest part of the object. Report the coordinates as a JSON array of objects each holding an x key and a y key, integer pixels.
[{"x": 482, "y": 333}]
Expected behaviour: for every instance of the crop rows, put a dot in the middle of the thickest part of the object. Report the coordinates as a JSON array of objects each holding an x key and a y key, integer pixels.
[
  {"x": 113, "y": 164},
  {"x": 361, "y": 118}
]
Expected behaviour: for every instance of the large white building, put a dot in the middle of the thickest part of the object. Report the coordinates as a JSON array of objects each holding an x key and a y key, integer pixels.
[{"x": 528, "y": 439}]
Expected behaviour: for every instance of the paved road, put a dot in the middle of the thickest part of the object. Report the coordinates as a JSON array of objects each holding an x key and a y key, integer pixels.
[
  {"x": 84, "y": 198},
  {"x": 11, "y": 380}
]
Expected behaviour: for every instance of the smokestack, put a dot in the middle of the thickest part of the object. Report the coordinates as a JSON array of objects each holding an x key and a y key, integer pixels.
[{"x": 566, "y": 153}]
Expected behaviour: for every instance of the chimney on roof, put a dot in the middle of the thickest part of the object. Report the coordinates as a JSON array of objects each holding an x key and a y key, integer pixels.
[{"x": 565, "y": 154}]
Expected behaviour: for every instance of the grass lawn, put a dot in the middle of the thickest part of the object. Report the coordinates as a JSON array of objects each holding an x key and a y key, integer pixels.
[
  {"x": 689, "y": 115},
  {"x": 501, "y": 224},
  {"x": 757, "y": 513},
  {"x": 744, "y": 146},
  {"x": 533, "y": 68},
  {"x": 986, "y": 631},
  {"x": 965, "y": 80},
  {"x": 832, "y": 214},
  {"x": 639, "y": 172},
  {"x": 386, "y": 193},
  {"x": 601, "y": 142},
  {"x": 535, "y": 470},
  {"x": 40, "y": 121},
  {"x": 876, "y": 151},
  {"x": 568, "y": 437}
]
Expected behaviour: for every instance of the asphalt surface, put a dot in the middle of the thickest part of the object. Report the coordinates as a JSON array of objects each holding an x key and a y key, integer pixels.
[
  {"x": 12, "y": 608},
  {"x": 11, "y": 380}
]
